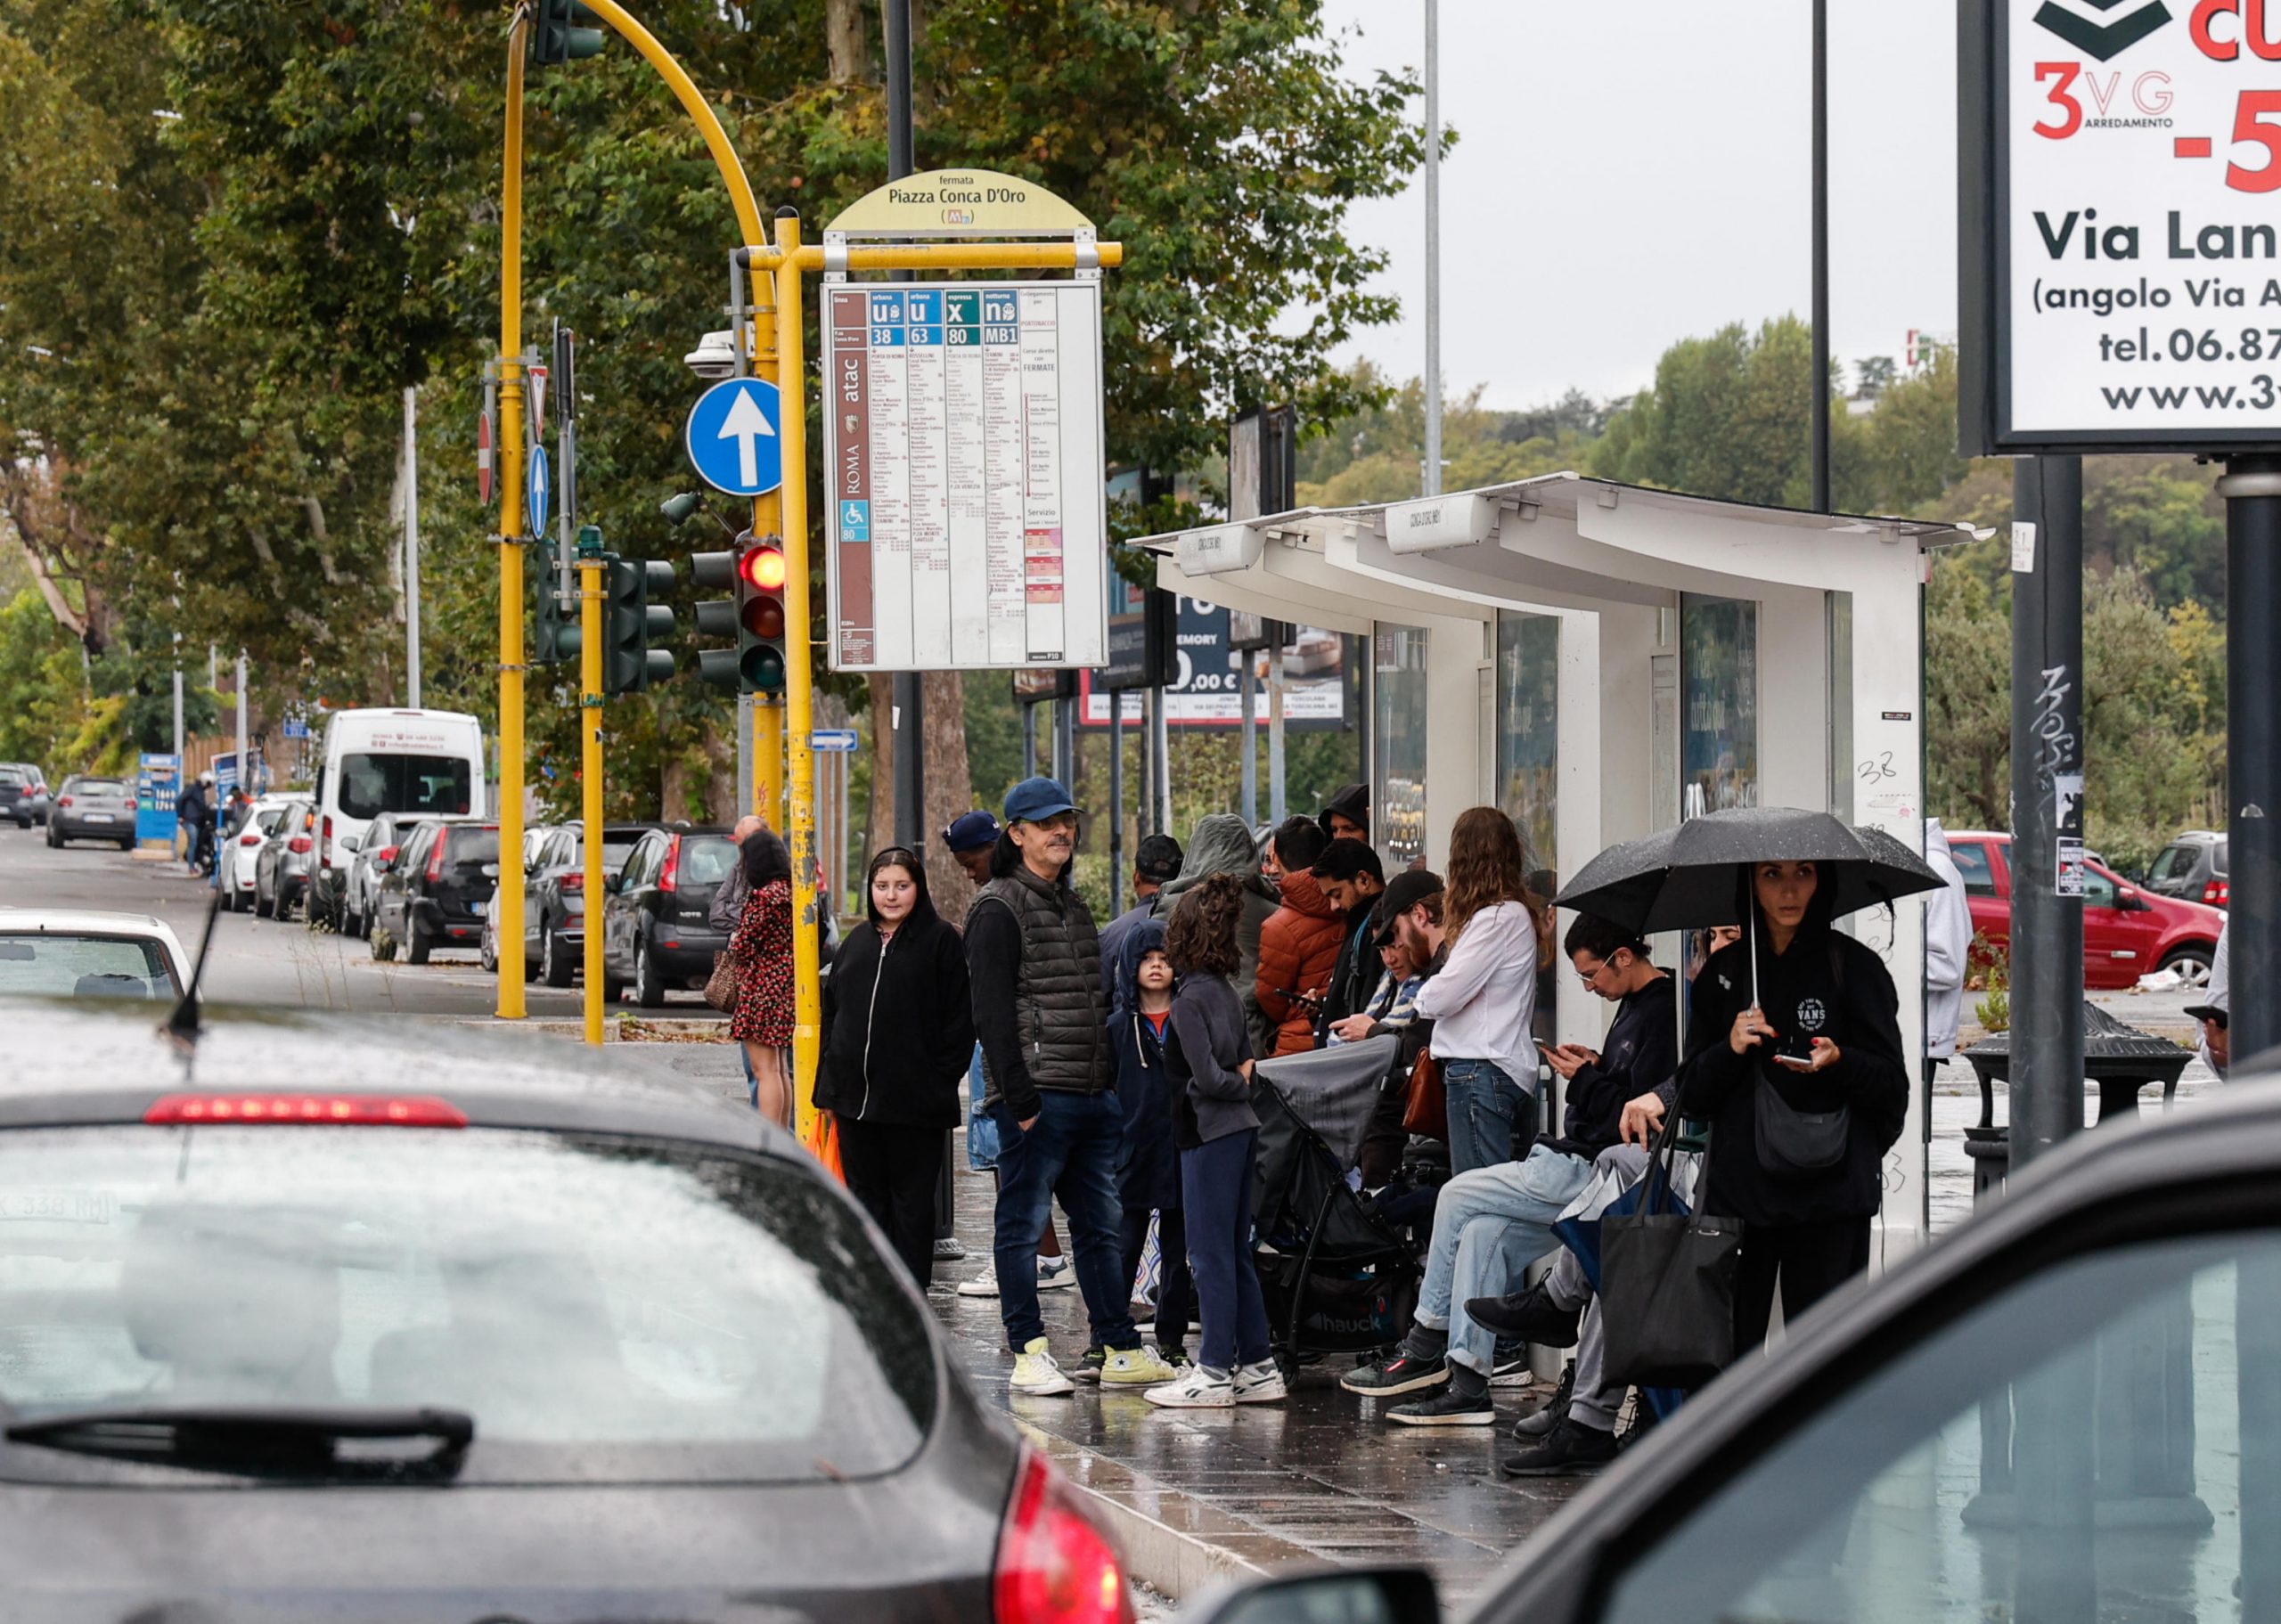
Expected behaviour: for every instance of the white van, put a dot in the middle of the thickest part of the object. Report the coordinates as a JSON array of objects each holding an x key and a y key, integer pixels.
[{"x": 401, "y": 761}]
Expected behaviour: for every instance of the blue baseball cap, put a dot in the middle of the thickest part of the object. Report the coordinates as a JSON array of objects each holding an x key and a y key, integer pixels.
[
  {"x": 1035, "y": 798},
  {"x": 970, "y": 832}
]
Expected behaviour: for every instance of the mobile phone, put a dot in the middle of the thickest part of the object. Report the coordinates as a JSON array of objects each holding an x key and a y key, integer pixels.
[{"x": 1793, "y": 1063}]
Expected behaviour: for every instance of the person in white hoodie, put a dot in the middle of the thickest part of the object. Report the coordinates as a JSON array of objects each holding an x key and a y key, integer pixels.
[
  {"x": 1481, "y": 1000},
  {"x": 1947, "y": 957}
]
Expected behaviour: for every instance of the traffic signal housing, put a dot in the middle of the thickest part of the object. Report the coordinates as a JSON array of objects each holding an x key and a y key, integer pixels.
[
  {"x": 632, "y": 622},
  {"x": 716, "y": 572},
  {"x": 761, "y": 570},
  {"x": 563, "y": 31},
  {"x": 554, "y": 628}
]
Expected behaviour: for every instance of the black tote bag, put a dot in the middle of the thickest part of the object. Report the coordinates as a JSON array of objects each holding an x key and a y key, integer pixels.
[{"x": 1667, "y": 1284}]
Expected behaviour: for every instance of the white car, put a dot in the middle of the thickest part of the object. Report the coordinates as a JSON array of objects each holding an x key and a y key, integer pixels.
[
  {"x": 70, "y": 953},
  {"x": 239, "y": 851}
]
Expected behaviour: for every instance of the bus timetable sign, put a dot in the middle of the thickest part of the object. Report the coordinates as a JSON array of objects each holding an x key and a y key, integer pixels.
[{"x": 2121, "y": 230}]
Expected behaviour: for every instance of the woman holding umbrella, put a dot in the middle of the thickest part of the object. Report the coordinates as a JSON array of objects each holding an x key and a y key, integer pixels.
[{"x": 1794, "y": 1055}]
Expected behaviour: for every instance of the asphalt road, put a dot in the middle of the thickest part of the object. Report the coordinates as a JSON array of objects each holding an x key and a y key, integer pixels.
[{"x": 260, "y": 961}]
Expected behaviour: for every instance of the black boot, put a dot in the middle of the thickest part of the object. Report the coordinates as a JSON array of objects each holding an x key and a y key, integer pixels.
[
  {"x": 1527, "y": 1316},
  {"x": 1572, "y": 1449},
  {"x": 1537, "y": 1422}
]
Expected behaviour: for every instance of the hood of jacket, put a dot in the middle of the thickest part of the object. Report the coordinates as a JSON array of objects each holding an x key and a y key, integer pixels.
[
  {"x": 1349, "y": 801},
  {"x": 1302, "y": 892},
  {"x": 1145, "y": 937},
  {"x": 1222, "y": 844}
]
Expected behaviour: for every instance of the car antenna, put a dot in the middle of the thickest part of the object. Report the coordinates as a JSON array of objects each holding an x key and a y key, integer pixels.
[{"x": 183, "y": 1024}]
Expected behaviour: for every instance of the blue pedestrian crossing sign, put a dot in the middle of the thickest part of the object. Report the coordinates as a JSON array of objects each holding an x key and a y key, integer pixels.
[
  {"x": 536, "y": 491},
  {"x": 732, "y": 437}
]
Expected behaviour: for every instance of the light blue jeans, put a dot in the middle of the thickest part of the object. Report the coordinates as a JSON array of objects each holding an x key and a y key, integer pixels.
[
  {"x": 1486, "y": 1106},
  {"x": 1489, "y": 1225}
]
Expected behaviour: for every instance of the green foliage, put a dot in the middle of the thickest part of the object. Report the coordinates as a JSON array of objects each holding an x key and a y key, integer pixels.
[
  {"x": 43, "y": 692},
  {"x": 1968, "y": 693},
  {"x": 1995, "y": 979}
]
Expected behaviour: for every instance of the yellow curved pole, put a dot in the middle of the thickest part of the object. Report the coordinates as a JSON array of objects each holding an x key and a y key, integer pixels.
[{"x": 699, "y": 111}]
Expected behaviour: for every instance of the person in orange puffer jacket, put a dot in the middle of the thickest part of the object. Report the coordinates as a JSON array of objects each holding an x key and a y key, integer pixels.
[{"x": 1299, "y": 942}]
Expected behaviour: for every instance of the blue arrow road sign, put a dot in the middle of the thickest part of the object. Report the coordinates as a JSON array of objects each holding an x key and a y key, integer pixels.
[
  {"x": 732, "y": 440},
  {"x": 535, "y": 492},
  {"x": 832, "y": 739}
]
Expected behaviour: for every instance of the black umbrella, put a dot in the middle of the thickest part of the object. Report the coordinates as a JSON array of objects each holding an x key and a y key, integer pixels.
[{"x": 1684, "y": 878}]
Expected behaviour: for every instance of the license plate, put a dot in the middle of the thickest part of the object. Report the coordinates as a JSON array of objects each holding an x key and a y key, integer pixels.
[
  {"x": 479, "y": 909},
  {"x": 99, "y": 817}
]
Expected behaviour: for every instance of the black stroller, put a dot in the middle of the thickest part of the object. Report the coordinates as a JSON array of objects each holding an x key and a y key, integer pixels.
[{"x": 1337, "y": 1277}]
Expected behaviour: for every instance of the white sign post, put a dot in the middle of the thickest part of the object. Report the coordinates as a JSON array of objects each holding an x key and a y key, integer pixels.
[
  {"x": 968, "y": 514},
  {"x": 2122, "y": 226}
]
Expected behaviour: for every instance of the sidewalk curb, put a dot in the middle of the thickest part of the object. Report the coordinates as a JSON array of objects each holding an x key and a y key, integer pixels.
[{"x": 1172, "y": 1542}]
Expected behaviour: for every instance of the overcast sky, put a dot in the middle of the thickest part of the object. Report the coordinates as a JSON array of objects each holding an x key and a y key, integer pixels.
[{"x": 1633, "y": 172}]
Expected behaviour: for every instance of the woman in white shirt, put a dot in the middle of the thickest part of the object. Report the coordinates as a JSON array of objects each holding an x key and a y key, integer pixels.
[{"x": 1481, "y": 999}]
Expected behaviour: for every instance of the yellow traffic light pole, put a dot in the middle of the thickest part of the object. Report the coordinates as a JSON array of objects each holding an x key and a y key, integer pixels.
[
  {"x": 509, "y": 899},
  {"x": 590, "y": 775},
  {"x": 786, "y": 263}
]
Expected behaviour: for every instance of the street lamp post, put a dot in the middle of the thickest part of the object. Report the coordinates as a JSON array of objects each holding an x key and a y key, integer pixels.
[{"x": 1431, "y": 476}]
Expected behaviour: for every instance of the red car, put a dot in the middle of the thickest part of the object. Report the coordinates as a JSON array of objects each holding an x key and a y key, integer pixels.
[{"x": 2127, "y": 931}]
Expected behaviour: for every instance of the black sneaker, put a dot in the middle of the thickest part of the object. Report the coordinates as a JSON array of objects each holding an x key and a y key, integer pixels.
[
  {"x": 1570, "y": 1449},
  {"x": 1400, "y": 1373},
  {"x": 1089, "y": 1368},
  {"x": 1643, "y": 1422},
  {"x": 1512, "y": 1369},
  {"x": 1448, "y": 1408},
  {"x": 1540, "y": 1422},
  {"x": 1528, "y": 1316}
]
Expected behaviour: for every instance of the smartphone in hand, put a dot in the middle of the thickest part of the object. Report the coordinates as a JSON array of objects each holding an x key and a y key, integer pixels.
[{"x": 1792, "y": 1062}]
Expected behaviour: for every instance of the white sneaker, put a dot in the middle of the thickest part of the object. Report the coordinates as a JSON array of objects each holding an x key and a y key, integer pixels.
[
  {"x": 984, "y": 1284},
  {"x": 1200, "y": 1389},
  {"x": 1056, "y": 1274},
  {"x": 1034, "y": 1372},
  {"x": 1261, "y": 1384},
  {"x": 1134, "y": 1367}
]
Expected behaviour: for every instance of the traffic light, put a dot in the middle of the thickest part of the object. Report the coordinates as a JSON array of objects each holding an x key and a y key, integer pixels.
[
  {"x": 555, "y": 635},
  {"x": 631, "y": 622},
  {"x": 761, "y": 571},
  {"x": 718, "y": 617},
  {"x": 563, "y": 31}
]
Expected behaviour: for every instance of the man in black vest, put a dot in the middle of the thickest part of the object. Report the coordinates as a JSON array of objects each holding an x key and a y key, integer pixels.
[{"x": 1033, "y": 960}]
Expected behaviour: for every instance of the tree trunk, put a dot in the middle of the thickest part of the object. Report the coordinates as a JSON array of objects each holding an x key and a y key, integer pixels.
[
  {"x": 950, "y": 787},
  {"x": 844, "y": 40}
]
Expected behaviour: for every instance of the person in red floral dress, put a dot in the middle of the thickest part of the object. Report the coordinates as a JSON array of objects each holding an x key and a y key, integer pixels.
[{"x": 762, "y": 948}]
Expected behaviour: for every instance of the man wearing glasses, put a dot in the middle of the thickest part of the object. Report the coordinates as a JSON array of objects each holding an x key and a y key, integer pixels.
[{"x": 1033, "y": 960}]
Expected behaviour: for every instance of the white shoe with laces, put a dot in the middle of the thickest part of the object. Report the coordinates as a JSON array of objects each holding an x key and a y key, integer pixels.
[
  {"x": 1036, "y": 1372},
  {"x": 1056, "y": 1274},
  {"x": 1261, "y": 1384},
  {"x": 1201, "y": 1388}
]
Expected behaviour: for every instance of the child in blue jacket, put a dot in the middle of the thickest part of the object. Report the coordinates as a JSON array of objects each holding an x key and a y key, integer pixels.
[{"x": 1147, "y": 1168}]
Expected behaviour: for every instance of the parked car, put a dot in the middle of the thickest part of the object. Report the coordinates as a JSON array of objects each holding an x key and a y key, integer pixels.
[
  {"x": 2128, "y": 932},
  {"x": 2044, "y": 1415},
  {"x": 84, "y": 953},
  {"x": 240, "y": 853},
  {"x": 554, "y": 897},
  {"x": 535, "y": 838},
  {"x": 287, "y": 858},
  {"x": 542, "y": 1335},
  {"x": 91, "y": 808},
  {"x": 436, "y": 890},
  {"x": 654, "y": 933},
  {"x": 2193, "y": 867},
  {"x": 23, "y": 793},
  {"x": 365, "y": 853}
]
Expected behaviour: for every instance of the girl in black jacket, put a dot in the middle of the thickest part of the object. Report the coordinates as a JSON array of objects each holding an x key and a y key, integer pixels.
[
  {"x": 1801, "y": 1074},
  {"x": 898, "y": 1030}
]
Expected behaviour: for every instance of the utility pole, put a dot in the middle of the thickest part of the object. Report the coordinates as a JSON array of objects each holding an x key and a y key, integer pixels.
[
  {"x": 1820, "y": 383},
  {"x": 2252, "y": 488},
  {"x": 1115, "y": 802},
  {"x": 2046, "y": 850},
  {"x": 245, "y": 765},
  {"x": 1431, "y": 484},
  {"x": 908, "y": 687},
  {"x": 411, "y": 549}
]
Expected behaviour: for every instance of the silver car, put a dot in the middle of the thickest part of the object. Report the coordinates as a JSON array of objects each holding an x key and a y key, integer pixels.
[
  {"x": 92, "y": 808},
  {"x": 281, "y": 872}
]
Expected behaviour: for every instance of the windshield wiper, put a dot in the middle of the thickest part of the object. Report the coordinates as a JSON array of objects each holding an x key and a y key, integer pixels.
[{"x": 258, "y": 1441}]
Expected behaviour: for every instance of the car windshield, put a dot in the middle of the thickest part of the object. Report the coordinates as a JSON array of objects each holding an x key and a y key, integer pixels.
[
  {"x": 2175, "y": 862},
  {"x": 100, "y": 790},
  {"x": 9, "y": 776},
  {"x": 371, "y": 785},
  {"x": 705, "y": 859},
  {"x": 56, "y": 965},
  {"x": 472, "y": 846},
  {"x": 617, "y": 849},
  {"x": 606, "y": 1309}
]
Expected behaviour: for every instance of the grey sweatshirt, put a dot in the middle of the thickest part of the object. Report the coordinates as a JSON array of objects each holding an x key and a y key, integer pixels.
[{"x": 1206, "y": 1044}]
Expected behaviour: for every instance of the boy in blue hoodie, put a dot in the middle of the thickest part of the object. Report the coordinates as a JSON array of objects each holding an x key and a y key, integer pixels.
[{"x": 1147, "y": 1168}]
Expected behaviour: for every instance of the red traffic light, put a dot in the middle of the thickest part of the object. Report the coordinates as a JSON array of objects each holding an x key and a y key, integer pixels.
[{"x": 764, "y": 569}]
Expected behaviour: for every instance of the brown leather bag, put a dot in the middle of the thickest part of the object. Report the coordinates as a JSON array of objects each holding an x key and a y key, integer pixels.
[
  {"x": 1427, "y": 1111},
  {"x": 726, "y": 981}
]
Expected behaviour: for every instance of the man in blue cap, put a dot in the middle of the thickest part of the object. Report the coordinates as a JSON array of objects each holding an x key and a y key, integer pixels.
[{"x": 1033, "y": 960}]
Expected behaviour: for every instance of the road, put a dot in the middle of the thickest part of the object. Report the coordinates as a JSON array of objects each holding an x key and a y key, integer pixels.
[{"x": 260, "y": 961}]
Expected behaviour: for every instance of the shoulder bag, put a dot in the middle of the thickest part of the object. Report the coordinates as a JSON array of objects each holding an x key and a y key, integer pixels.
[
  {"x": 1667, "y": 1284},
  {"x": 724, "y": 986},
  {"x": 1426, "y": 1112}
]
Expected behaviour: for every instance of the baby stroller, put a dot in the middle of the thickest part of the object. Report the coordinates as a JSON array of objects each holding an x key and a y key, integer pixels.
[{"x": 1337, "y": 1277}]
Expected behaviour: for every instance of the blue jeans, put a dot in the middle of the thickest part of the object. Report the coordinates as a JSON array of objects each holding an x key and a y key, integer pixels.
[
  {"x": 1069, "y": 1152},
  {"x": 1489, "y": 1225},
  {"x": 1489, "y": 1114},
  {"x": 1215, "y": 1189}
]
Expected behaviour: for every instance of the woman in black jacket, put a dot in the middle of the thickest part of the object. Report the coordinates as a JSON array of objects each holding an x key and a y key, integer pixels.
[
  {"x": 1802, "y": 1080},
  {"x": 898, "y": 1030}
]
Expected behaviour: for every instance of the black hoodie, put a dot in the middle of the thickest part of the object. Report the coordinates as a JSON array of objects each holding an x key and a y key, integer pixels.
[
  {"x": 1828, "y": 985},
  {"x": 898, "y": 1023}
]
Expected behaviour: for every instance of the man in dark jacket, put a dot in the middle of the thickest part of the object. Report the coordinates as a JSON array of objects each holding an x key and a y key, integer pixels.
[
  {"x": 1352, "y": 877},
  {"x": 1034, "y": 959},
  {"x": 1155, "y": 865},
  {"x": 1493, "y": 1223},
  {"x": 1347, "y": 815}
]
